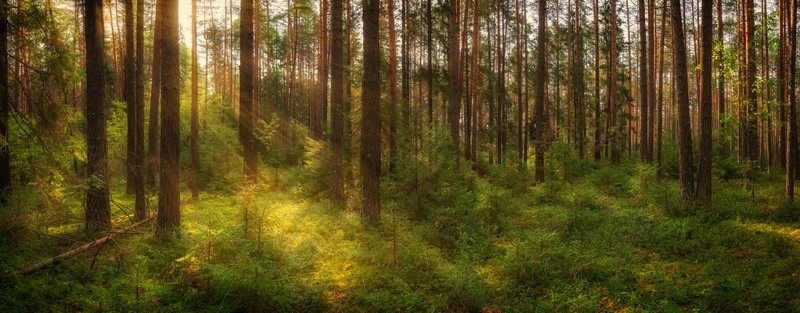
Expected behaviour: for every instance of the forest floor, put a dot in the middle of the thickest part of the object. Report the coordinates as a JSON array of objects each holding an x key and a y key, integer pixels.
[{"x": 612, "y": 239}]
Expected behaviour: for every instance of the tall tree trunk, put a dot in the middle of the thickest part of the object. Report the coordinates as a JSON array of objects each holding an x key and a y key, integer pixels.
[
  {"x": 317, "y": 110},
  {"x": 704, "y": 166},
  {"x": 782, "y": 83},
  {"x": 612, "y": 87},
  {"x": 392, "y": 85},
  {"x": 406, "y": 64},
  {"x": 751, "y": 130},
  {"x": 475, "y": 76},
  {"x": 129, "y": 95},
  {"x": 155, "y": 100},
  {"x": 429, "y": 19},
  {"x": 337, "y": 92},
  {"x": 651, "y": 78},
  {"x": 194, "y": 166},
  {"x": 140, "y": 206},
  {"x": 5, "y": 104},
  {"x": 518, "y": 51},
  {"x": 246, "y": 103},
  {"x": 371, "y": 119},
  {"x": 721, "y": 67},
  {"x": 578, "y": 85},
  {"x": 169, "y": 214},
  {"x": 791, "y": 147},
  {"x": 455, "y": 84},
  {"x": 98, "y": 213},
  {"x": 597, "y": 126},
  {"x": 541, "y": 80},
  {"x": 644, "y": 56},
  {"x": 660, "y": 101},
  {"x": 118, "y": 80},
  {"x": 685, "y": 175}
]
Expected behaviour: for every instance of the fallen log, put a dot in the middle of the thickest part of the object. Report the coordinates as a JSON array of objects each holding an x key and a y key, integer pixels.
[{"x": 32, "y": 268}]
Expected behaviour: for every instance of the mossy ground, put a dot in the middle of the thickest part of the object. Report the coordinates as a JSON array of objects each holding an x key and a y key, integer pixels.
[{"x": 592, "y": 238}]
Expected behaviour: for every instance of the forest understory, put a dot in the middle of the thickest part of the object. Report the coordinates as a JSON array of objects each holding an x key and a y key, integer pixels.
[
  {"x": 399, "y": 156},
  {"x": 595, "y": 238}
]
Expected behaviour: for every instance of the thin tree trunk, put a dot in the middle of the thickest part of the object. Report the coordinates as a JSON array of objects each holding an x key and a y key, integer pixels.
[
  {"x": 392, "y": 85},
  {"x": 791, "y": 147},
  {"x": 541, "y": 73},
  {"x": 612, "y": 87},
  {"x": 704, "y": 166},
  {"x": 155, "y": 101},
  {"x": 194, "y": 166},
  {"x": 660, "y": 101},
  {"x": 518, "y": 50},
  {"x": 651, "y": 80},
  {"x": 429, "y": 19},
  {"x": 644, "y": 87},
  {"x": 752, "y": 104},
  {"x": 317, "y": 111},
  {"x": 578, "y": 85},
  {"x": 455, "y": 84},
  {"x": 475, "y": 76},
  {"x": 597, "y": 126}
]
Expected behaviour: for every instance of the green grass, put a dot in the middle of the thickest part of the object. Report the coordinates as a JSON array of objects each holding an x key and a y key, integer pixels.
[{"x": 596, "y": 239}]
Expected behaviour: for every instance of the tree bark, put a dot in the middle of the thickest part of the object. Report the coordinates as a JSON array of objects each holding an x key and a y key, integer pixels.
[
  {"x": 644, "y": 56},
  {"x": 613, "y": 116},
  {"x": 155, "y": 100},
  {"x": 370, "y": 120},
  {"x": 454, "y": 105},
  {"x": 194, "y": 164},
  {"x": 246, "y": 103},
  {"x": 751, "y": 129},
  {"x": 318, "y": 110},
  {"x": 541, "y": 80},
  {"x": 337, "y": 93},
  {"x": 34, "y": 267},
  {"x": 169, "y": 214},
  {"x": 685, "y": 175},
  {"x": 5, "y": 103},
  {"x": 98, "y": 214},
  {"x": 429, "y": 19},
  {"x": 578, "y": 85},
  {"x": 791, "y": 147},
  {"x": 518, "y": 73},
  {"x": 704, "y": 166},
  {"x": 392, "y": 85},
  {"x": 129, "y": 95},
  {"x": 475, "y": 77},
  {"x": 597, "y": 126},
  {"x": 140, "y": 205}
]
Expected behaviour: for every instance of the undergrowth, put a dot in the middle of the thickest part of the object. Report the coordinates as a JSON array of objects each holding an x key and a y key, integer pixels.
[{"x": 593, "y": 237}]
